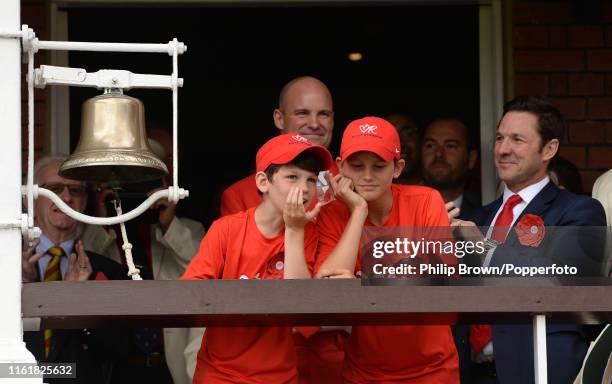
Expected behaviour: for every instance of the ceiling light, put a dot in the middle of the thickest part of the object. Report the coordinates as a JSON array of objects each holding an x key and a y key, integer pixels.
[{"x": 355, "y": 56}]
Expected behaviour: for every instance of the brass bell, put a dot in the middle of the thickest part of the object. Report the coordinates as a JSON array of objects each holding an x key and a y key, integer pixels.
[{"x": 113, "y": 146}]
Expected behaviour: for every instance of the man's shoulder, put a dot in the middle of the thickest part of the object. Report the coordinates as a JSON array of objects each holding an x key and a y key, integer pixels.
[
  {"x": 574, "y": 204},
  {"x": 190, "y": 223},
  {"x": 246, "y": 182},
  {"x": 240, "y": 196},
  {"x": 604, "y": 180}
]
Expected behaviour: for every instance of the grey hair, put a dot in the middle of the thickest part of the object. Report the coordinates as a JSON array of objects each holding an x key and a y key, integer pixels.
[{"x": 47, "y": 160}]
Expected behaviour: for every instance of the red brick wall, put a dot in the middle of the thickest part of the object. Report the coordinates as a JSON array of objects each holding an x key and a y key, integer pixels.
[
  {"x": 34, "y": 13},
  {"x": 563, "y": 54}
]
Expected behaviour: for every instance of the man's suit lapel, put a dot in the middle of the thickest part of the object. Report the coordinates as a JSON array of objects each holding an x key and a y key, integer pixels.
[
  {"x": 538, "y": 206},
  {"x": 490, "y": 214}
]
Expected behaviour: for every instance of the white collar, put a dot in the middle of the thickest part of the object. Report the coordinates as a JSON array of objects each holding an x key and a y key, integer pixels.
[{"x": 528, "y": 193}]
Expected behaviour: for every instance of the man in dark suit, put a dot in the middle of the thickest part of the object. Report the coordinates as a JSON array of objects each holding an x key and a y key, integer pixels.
[
  {"x": 447, "y": 158},
  {"x": 58, "y": 255},
  {"x": 527, "y": 142}
]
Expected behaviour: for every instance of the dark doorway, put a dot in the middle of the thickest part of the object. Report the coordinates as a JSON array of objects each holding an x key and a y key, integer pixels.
[{"x": 422, "y": 61}]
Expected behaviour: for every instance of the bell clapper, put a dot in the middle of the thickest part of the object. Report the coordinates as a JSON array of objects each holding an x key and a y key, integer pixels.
[{"x": 133, "y": 272}]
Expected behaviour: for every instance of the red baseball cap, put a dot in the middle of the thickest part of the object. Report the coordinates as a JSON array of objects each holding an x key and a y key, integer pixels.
[
  {"x": 371, "y": 134},
  {"x": 284, "y": 148}
]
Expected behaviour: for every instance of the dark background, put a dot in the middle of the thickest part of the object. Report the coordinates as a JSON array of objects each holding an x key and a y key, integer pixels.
[{"x": 418, "y": 60}]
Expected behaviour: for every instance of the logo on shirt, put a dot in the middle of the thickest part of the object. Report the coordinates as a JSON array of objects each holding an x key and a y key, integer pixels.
[
  {"x": 275, "y": 267},
  {"x": 368, "y": 129}
]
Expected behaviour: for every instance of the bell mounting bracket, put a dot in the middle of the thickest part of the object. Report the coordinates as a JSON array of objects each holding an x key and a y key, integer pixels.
[
  {"x": 102, "y": 79},
  {"x": 105, "y": 78}
]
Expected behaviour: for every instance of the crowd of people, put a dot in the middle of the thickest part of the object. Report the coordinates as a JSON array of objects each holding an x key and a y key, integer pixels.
[{"x": 302, "y": 215}]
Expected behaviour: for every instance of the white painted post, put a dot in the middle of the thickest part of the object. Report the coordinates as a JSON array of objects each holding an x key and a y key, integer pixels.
[
  {"x": 12, "y": 347},
  {"x": 491, "y": 91},
  {"x": 539, "y": 349}
]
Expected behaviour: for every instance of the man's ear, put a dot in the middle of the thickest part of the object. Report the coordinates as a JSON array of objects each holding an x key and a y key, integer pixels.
[
  {"x": 398, "y": 168},
  {"x": 279, "y": 119},
  {"x": 262, "y": 182},
  {"x": 550, "y": 149},
  {"x": 472, "y": 157}
]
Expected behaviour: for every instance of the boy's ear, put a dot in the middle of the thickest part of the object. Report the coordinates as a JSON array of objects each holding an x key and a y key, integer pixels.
[
  {"x": 398, "y": 168},
  {"x": 262, "y": 182},
  {"x": 339, "y": 162}
]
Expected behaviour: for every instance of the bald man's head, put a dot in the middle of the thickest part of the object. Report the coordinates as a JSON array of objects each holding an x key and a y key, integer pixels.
[{"x": 305, "y": 106}]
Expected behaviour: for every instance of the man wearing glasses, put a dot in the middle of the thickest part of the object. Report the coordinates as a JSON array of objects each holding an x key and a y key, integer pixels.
[{"x": 58, "y": 255}]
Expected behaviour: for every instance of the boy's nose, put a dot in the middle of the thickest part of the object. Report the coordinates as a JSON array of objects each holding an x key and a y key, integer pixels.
[{"x": 304, "y": 187}]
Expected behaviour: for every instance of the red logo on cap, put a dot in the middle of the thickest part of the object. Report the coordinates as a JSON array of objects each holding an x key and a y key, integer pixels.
[
  {"x": 299, "y": 139},
  {"x": 368, "y": 129}
]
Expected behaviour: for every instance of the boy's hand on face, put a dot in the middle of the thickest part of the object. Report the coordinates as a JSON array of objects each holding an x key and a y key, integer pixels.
[
  {"x": 294, "y": 213},
  {"x": 344, "y": 191}
]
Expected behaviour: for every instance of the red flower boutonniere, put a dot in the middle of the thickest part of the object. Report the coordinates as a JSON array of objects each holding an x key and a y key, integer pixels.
[{"x": 530, "y": 230}]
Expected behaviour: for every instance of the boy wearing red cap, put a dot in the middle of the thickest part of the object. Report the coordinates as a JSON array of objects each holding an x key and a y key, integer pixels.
[
  {"x": 274, "y": 240},
  {"x": 365, "y": 196}
]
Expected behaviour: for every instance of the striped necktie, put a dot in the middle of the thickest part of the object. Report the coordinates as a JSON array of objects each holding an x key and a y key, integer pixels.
[{"x": 52, "y": 273}]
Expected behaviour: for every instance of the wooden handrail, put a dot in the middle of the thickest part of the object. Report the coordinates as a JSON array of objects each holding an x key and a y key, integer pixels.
[{"x": 309, "y": 302}]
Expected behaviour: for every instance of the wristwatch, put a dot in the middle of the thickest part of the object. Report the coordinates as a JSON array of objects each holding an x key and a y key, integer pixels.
[{"x": 489, "y": 244}]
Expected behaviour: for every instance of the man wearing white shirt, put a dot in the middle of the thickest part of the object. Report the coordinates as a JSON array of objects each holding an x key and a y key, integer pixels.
[
  {"x": 527, "y": 141},
  {"x": 602, "y": 191}
]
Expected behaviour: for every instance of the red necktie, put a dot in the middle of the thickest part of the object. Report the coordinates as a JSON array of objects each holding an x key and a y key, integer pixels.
[{"x": 480, "y": 335}]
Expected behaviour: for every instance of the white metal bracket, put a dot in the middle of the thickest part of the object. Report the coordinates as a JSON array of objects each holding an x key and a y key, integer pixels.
[
  {"x": 105, "y": 78},
  {"x": 28, "y": 233}
]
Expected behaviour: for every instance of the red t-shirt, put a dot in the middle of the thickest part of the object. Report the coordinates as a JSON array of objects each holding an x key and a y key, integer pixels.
[
  {"x": 234, "y": 248},
  {"x": 243, "y": 194},
  {"x": 422, "y": 354}
]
